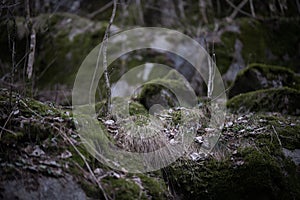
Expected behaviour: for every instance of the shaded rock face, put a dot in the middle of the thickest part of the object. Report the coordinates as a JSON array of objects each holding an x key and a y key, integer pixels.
[
  {"x": 259, "y": 76},
  {"x": 42, "y": 188},
  {"x": 63, "y": 41},
  {"x": 273, "y": 42},
  {"x": 284, "y": 100},
  {"x": 167, "y": 92}
]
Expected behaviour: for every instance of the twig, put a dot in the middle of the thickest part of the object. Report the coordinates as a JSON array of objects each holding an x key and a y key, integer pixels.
[
  {"x": 252, "y": 8},
  {"x": 237, "y": 9},
  {"x": 277, "y": 136},
  {"x": 84, "y": 160},
  {"x": 46, "y": 68},
  {"x": 3, "y": 128},
  {"x": 21, "y": 101},
  {"x": 9, "y": 131},
  {"x": 102, "y": 9},
  {"x": 12, "y": 45}
]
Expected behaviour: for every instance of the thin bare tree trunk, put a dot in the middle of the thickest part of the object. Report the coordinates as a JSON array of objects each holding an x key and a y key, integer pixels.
[
  {"x": 32, "y": 45},
  {"x": 252, "y": 8},
  {"x": 103, "y": 51},
  {"x": 180, "y": 6},
  {"x": 298, "y": 6},
  {"x": 12, "y": 45},
  {"x": 202, "y": 6},
  {"x": 140, "y": 12}
]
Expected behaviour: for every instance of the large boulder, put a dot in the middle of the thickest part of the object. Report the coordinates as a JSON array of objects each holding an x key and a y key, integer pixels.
[
  {"x": 247, "y": 40},
  {"x": 169, "y": 91},
  {"x": 284, "y": 100},
  {"x": 249, "y": 162},
  {"x": 43, "y": 157},
  {"x": 63, "y": 41},
  {"x": 260, "y": 76}
]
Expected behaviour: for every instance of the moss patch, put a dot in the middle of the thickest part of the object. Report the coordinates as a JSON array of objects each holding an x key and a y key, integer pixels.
[
  {"x": 263, "y": 175},
  {"x": 284, "y": 100}
]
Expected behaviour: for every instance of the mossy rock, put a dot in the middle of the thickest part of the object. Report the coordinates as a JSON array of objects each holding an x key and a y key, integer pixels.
[
  {"x": 273, "y": 42},
  {"x": 261, "y": 76},
  {"x": 284, "y": 100},
  {"x": 261, "y": 176},
  {"x": 30, "y": 124},
  {"x": 63, "y": 40},
  {"x": 162, "y": 92},
  {"x": 287, "y": 129}
]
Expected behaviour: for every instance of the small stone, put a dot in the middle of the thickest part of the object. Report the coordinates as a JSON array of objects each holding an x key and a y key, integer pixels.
[
  {"x": 58, "y": 119},
  {"x": 37, "y": 152},
  {"x": 242, "y": 131},
  {"x": 98, "y": 172},
  {"x": 199, "y": 139},
  {"x": 195, "y": 156},
  {"x": 209, "y": 130},
  {"x": 240, "y": 162},
  {"x": 240, "y": 118},
  {"x": 198, "y": 156},
  {"x": 109, "y": 122},
  {"x": 66, "y": 154},
  {"x": 228, "y": 124},
  {"x": 262, "y": 120},
  {"x": 16, "y": 112},
  {"x": 173, "y": 142}
]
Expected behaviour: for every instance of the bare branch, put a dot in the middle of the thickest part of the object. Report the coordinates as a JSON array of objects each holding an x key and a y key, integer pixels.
[
  {"x": 102, "y": 9},
  {"x": 277, "y": 136},
  {"x": 252, "y": 8},
  {"x": 238, "y": 9}
]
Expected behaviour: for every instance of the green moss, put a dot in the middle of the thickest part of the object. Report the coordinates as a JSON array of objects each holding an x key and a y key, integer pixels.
[
  {"x": 154, "y": 187},
  {"x": 225, "y": 51},
  {"x": 7, "y": 138},
  {"x": 122, "y": 189},
  {"x": 63, "y": 41},
  {"x": 262, "y": 176},
  {"x": 91, "y": 190},
  {"x": 136, "y": 108},
  {"x": 272, "y": 42},
  {"x": 252, "y": 36},
  {"x": 289, "y": 135},
  {"x": 161, "y": 91},
  {"x": 261, "y": 76},
  {"x": 284, "y": 100}
]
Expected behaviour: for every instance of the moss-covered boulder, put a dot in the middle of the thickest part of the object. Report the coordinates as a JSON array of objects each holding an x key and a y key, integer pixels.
[
  {"x": 260, "y": 76},
  {"x": 39, "y": 144},
  {"x": 248, "y": 162},
  {"x": 246, "y": 40},
  {"x": 63, "y": 40},
  {"x": 284, "y": 100},
  {"x": 169, "y": 91}
]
